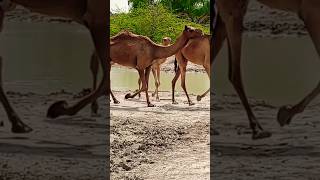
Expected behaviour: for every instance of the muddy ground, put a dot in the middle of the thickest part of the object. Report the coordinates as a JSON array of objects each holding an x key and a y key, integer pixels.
[
  {"x": 163, "y": 142},
  {"x": 64, "y": 148},
  {"x": 167, "y": 141}
]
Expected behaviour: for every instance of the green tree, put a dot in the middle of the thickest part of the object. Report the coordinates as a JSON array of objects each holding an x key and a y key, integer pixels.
[{"x": 154, "y": 21}]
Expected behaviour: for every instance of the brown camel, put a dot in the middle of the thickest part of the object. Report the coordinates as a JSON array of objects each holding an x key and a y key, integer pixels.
[
  {"x": 139, "y": 52},
  {"x": 156, "y": 70},
  {"x": 91, "y": 14},
  {"x": 230, "y": 20},
  {"x": 197, "y": 51}
]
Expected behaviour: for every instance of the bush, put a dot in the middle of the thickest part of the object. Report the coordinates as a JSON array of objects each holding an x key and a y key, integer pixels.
[{"x": 154, "y": 22}]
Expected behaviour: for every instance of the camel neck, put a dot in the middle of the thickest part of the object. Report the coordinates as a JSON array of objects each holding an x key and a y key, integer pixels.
[{"x": 167, "y": 51}]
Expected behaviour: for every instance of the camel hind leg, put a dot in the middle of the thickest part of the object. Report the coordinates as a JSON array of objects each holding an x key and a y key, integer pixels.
[
  {"x": 96, "y": 22},
  {"x": 94, "y": 67},
  {"x": 311, "y": 18},
  {"x": 232, "y": 15},
  {"x": 17, "y": 126}
]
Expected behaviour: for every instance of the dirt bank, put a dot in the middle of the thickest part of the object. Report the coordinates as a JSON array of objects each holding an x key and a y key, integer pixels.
[
  {"x": 66, "y": 148},
  {"x": 161, "y": 142}
]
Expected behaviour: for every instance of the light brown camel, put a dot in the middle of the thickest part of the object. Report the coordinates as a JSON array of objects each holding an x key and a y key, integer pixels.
[
  {"x": 197, "y": 51},
  {"x": 139, "y": 52},
  {"x": 91, "y": 14},
  {"x": 231, "y": 14},
  {"x": 156, "y": 66}
]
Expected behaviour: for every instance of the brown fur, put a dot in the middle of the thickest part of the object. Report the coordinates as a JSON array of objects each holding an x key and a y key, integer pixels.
[{"x": 197, "y": 51}]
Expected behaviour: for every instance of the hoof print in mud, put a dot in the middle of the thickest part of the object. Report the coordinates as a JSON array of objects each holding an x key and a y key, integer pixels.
[{"x": 57, "y": 109}]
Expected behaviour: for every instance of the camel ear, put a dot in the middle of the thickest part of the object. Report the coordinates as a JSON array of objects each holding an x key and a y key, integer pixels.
[{"x": 186, "y": 27}]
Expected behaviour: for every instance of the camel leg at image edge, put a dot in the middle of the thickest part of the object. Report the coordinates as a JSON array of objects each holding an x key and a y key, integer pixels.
[
  {"x": 199, "y": 97},
  {"x": 99, "y": 35},
  {"x": 17, "y": 126},
  {"x": 234, "y": 33},
  {"x": 286, "y": 113},
  {"x": 173, "y": 84}
]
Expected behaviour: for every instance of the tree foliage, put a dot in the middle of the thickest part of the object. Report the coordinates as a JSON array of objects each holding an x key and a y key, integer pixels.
[
  {"x": 153, "y": 21},
  {"x": 197, "y": 10}
]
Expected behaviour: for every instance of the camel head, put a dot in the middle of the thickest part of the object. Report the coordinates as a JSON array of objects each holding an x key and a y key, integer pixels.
[
  {"x": 166, "y": 41},
  {"x": 191, "y": 32}
]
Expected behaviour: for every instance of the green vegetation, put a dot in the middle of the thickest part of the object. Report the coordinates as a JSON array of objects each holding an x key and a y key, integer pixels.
[
  {"x": 154, "y": 21},
  {"x": 197, "y": 10}
]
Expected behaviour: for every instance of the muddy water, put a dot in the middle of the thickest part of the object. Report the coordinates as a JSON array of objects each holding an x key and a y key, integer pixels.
[
  {"x": 279, "y": 71},
  {"x": 42, "y": 57},
  {"x": 127, "y": 79}
]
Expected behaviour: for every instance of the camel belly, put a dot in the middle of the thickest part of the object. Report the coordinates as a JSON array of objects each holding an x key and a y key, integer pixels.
[{"x": 286, "y": 5}]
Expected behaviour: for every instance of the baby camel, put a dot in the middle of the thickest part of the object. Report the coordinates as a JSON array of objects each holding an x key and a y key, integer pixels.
[
  {"x": 156, "y": 70},
  {"x": 196, "y": 51}
]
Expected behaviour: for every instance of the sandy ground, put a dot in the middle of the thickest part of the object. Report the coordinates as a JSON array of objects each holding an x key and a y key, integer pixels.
[
  {"x": 167, "y": 141},
  {"x": 65, "y": 148},
  {"x": 163, "y": 142}
]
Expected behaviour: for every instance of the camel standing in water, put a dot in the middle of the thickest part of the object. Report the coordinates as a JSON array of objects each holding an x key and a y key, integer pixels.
[
  {"x": 230, "y": 25},
  {"x": 156, "y": 66},
  {"x": 139, "y": 52},
  {"x": 196, "y": 51},
  {"x": 91, "y": 14}
]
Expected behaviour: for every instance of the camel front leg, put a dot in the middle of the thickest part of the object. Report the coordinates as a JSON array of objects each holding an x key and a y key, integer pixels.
[
  {"x": 173, "y": 84},
  {"x": 142, "y": 76},
  {"x": 207, "y": 68},
  {"x": 233, "y": 21},
  {"x": 97, "y": 25},
  {"x": 17, "y": 126},
  {"x": 311, "y": 18}
]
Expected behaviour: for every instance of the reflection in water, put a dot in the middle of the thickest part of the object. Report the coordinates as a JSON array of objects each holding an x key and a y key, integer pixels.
[{"x": 127, "y": 79}]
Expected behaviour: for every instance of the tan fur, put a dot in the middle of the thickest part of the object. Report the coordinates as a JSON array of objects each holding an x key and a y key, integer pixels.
[{"x": 197, "y": 51}]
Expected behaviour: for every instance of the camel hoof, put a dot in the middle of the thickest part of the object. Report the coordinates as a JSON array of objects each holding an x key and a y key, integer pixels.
[
  {"x": 127, "y": 96},
  {"x": 175, "y": 102},
  {"x": 57, "y": 109},
  {"x": 21, "y": 128},
  {"x": 151, "y": 105},
  {"x": 215, "y": 132},
  {"x": 199, "y": 98},
  {"x": 261, "y": 135},
  {"x": 191, "y": 103},
  {"x": 284, "y": 116},
  {"x": 116, "y": 102}
]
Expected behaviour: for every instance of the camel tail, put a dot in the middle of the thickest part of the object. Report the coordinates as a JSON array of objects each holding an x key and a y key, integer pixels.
[{"x": 176, "y": 67}]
